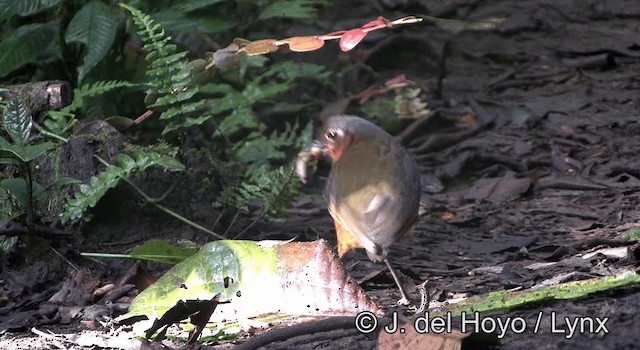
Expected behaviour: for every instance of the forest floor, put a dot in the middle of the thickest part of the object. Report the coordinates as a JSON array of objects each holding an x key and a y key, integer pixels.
[{"x": 530, "y": 163}]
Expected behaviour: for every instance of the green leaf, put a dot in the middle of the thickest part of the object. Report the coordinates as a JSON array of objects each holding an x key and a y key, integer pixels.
[
  {"x": 26, "y": 45},
  {"x": 162, "y": 251},
  {"x": 192, "y": 5},
  {"x": 301, "y": 9},
  {"x": 94, "y": 26},
  {"x": 7, "y": 243},
  {"x": 18, "y": 189},
  {"x": 9, "y": 8},
  {"x": 184, "y": 22},
  {"x": 25, "y": 154},
  {"x": 16, "y": 121}
]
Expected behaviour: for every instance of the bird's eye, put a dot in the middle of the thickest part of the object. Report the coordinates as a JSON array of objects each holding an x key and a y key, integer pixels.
[{"x": 331, "y": 135}]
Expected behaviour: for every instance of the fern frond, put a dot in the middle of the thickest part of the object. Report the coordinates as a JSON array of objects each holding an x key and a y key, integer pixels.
[
  {"x": 258, "y": 150},
  {"x": 170, "y": 77},
  {"x": 89, "y": 194},
  {"x": 58, "y": 122},
  {"x": 275, "y": 189},
  {"x": 167, "y": 66},
  {"x": 97, "y": 88},
  {"x": 280, "y": 188}
]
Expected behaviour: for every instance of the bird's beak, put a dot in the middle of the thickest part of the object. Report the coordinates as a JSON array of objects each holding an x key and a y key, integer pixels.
[{"x": 317, "y": 148}]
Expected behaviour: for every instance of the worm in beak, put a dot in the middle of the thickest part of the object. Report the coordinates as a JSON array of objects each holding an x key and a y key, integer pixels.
[{"x": 312, "y": 152}]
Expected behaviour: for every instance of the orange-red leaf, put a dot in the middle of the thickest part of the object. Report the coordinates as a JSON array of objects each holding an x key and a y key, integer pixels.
[
  {"x": 260, "y": 47},
  {"x": 351, "y": 38},
  {"x": 304, "y": 43}
]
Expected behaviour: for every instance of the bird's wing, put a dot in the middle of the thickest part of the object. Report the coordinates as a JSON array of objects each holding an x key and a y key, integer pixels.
[{"x": 365, "y": 214}]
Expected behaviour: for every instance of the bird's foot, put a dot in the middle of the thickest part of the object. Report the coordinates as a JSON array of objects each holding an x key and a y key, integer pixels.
[{"x": 404, "y": 302}]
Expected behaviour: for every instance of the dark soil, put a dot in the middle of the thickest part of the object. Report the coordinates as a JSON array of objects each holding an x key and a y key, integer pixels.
[{"x": 531, "y": 155}]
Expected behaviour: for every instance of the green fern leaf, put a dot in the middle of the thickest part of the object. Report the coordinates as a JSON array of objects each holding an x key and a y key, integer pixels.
[
  {"x": 10, "y": 8},
  {"x": 241, "y": 117},
  {"x": 94, "y": 89},
  {"x": 95, "y": 27},
  {"x": 169, "y": 75},
  {"x": 280, "y": 188},
  {"x": 26, "y": 44},
  {"x": 60, "y": 121},
  {"x": 276, "y": 189},
  {"x": 89, "y": 194}
]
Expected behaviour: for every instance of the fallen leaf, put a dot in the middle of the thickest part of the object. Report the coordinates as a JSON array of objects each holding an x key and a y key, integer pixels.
[
  {"x": 498, "y": 190},
  {"x": 255, "y": 279},
  {"x": 410, "y": 339}
]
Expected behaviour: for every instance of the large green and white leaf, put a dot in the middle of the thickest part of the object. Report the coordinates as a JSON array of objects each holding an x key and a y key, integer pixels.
[
  {"x": 257, "y": 278},
  {"x": 25, "y": 45},
  {"x": 16, "y": 120},
  {"x": 10, "y": 8},
  {"x": 95, "y": 27}
]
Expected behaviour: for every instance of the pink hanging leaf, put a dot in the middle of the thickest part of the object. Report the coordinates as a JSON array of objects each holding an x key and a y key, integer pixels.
[{"x": 351, "y": 38}]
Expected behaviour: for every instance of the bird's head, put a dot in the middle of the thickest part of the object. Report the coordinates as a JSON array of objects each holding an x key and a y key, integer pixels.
[{"x": 343, "y": 131}]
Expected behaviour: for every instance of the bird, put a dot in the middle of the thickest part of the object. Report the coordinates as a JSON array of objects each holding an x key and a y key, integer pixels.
[{"x": 373, "y": 189}]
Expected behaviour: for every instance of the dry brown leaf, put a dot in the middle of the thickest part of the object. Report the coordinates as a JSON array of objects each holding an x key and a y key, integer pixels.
[
  {"x": 304, "y": 43},
  {"x": 410, "y": 339},
  {"x": 260, "y": 47}
]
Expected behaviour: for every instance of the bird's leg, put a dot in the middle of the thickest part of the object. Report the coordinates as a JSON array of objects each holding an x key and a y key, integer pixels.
[{"x": 404, "y": 300}]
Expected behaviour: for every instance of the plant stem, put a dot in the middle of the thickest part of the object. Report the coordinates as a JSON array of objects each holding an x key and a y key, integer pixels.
[
  {"x": 29, "y": 204},
  {"x": 154, "y": 201},
  {"x": 49, "y": 134}
]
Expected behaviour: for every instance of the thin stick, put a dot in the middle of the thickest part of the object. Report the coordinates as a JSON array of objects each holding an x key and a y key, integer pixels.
[{"x": 404, "y": 300}]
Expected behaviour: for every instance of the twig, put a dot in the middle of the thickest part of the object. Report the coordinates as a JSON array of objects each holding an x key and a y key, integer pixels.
[
  {"x": 65, "y": 259},
  {"x": 46, "y": 231},
  {"x": 415, "y": 126},
  {"x": 277, "y": 335}
]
